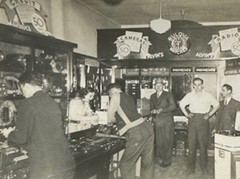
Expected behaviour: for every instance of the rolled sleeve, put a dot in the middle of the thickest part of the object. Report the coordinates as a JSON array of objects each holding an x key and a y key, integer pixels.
[{"x": 113, "y": 106}]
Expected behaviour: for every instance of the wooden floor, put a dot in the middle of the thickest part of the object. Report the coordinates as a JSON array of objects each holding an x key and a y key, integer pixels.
[{"x": 176, "y": 170}]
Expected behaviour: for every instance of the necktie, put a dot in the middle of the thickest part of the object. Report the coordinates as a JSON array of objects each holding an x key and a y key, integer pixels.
[{"x": 225, "y": 102}]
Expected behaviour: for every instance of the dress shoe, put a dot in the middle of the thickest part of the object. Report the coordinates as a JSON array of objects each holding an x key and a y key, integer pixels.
[
  {"x": 160, "y": 162},
  {"x": 165, "y": 164}
]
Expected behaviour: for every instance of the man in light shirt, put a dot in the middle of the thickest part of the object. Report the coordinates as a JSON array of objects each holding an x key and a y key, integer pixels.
[{"x": 201, "y": 106}]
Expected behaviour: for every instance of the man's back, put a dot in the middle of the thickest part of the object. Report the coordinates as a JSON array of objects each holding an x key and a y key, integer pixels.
[{"x": 47, "y": 145}]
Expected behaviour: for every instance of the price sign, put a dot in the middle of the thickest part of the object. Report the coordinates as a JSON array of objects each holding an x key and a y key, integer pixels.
[
  {"x": 124, "y": 50},
  {"x": 236, "y": 48},
  {"x": 39, "y": 23}
]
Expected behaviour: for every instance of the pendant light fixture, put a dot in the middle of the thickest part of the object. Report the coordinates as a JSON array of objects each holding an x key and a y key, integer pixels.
[{"x": 160, "y": 25}]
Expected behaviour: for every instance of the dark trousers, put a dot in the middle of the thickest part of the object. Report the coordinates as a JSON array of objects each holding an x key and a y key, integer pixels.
[
  {"x": 198, "y": 133},
  {"x": 65, "y": 175},
  {"x": 164, "y": 142},
  {"x": 139, "y": 142}
]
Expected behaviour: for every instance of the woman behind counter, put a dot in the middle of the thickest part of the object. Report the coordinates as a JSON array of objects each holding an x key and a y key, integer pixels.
[{"x": 81, "y": 115}]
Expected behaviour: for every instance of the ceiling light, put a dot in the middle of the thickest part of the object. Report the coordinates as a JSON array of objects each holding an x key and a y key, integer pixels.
[{"x": 160, "y": 25}]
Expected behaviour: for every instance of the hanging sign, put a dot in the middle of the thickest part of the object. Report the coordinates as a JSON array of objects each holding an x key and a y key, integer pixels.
[
  {"x": 179, "y": 43},
  {"x": 226, "y": 38},
  {"x": 181, "y": 69},
  {"x": 232, "y": 67},
  {"x": 26, "y": 14},
  {"x": 162, "y": 71},
  {"x": 233, "y": 63},
  {"x": 232, "y": 72},
  {"x": 205, "y": 69},
  {"x": 135, "y": 46}
]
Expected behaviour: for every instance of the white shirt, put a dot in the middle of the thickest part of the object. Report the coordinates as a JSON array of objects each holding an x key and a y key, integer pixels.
[
  {"x": 76, "y": 109},
  {"x": 199, "y": 102},
  {"x": 113, "y": 106},
  {"x": 159, "y": 93}
]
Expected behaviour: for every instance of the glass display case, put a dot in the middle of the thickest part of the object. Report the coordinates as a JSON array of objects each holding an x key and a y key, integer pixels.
[{"x": 22, "y": 51}]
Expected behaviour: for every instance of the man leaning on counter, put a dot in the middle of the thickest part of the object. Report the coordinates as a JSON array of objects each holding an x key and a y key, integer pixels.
[
  {"x": 39, "y": 128},
  {"x": 138, "y": 132}
]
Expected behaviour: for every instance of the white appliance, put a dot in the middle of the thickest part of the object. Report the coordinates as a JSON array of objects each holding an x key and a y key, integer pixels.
[
  {"x": 227, "y": 157},
  {"x": 237, "y": 122}
]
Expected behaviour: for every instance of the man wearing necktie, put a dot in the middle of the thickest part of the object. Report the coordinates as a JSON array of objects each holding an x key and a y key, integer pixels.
[
  {"x": 226, "y": 114},
  {"x": 162, "y": 105}
]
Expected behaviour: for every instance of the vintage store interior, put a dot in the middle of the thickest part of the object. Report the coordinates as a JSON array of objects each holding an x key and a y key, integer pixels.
[{"x": 86, "y": 43}]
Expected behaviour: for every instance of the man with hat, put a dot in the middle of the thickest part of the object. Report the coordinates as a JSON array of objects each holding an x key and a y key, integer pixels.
[{"x": 162, "y": 106}]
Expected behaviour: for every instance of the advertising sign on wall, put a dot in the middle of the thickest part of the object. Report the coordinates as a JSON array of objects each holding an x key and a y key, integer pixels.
[
  {"x": 232, "y": 67},
  {"x": 226, "y": 38},
  {"x": 184, "y": 41},
  {"x": 27, "y": 15},
  {"x": 134, "y": 45},
  {"x": 179, "y": 43},
  {"x": 226, "y": 41}
]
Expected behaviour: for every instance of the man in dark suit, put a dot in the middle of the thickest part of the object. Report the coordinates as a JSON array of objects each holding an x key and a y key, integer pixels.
[
  {"x": 39, "y": 126},
  {"x": 162, "y": 105},
  {"x": 226, "y": 114}
]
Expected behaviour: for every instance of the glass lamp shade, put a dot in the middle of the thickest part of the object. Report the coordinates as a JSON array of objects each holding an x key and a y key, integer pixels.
[
  {"x": 160, "y": 25},
  {"x": 1, "y": 55}
]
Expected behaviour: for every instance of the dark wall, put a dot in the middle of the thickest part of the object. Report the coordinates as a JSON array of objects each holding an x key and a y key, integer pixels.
[{"x": 199, "y": 37}]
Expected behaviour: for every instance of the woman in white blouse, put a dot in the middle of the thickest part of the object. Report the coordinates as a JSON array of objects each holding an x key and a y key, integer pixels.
[{"x": 81, "y": 115}]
